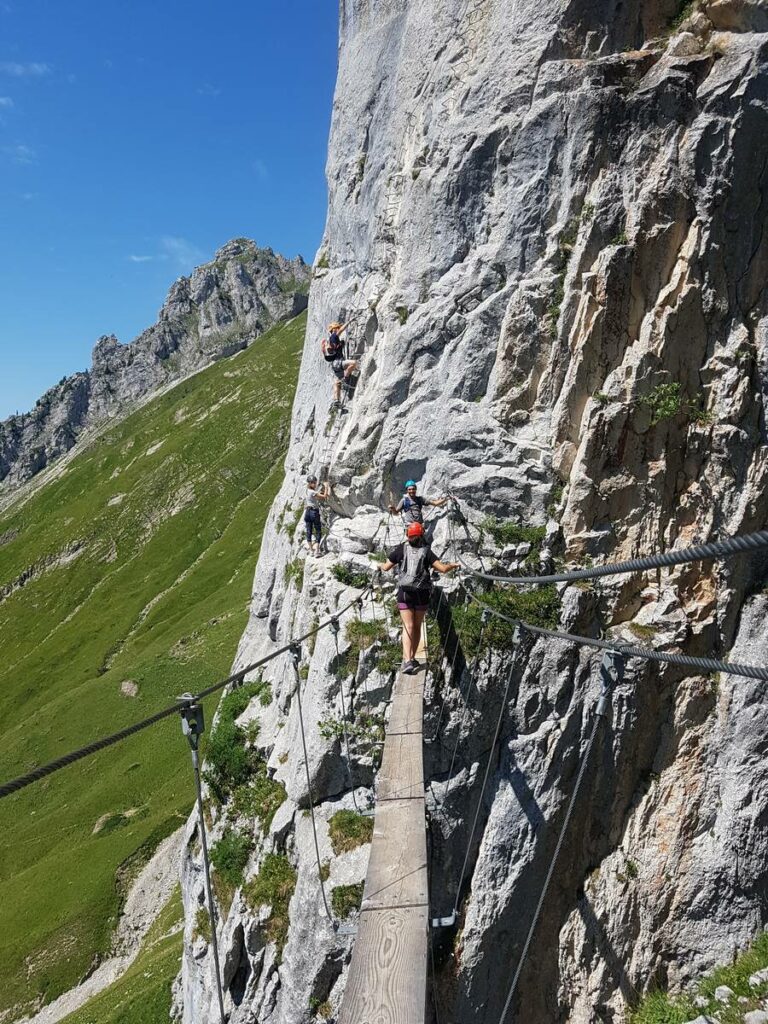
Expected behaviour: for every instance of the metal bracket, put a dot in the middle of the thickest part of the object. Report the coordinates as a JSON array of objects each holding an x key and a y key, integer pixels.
[
  {"x": 192, "y": 720},
  {"x": 611, "y": 674},
  {"x": 335, "y": 625},
  {"x": 295, "y": 651},
  {"x": 444, "y": 922}
]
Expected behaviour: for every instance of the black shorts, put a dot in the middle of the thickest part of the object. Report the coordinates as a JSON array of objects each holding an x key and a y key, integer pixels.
[{"x": 413, "y": 600}]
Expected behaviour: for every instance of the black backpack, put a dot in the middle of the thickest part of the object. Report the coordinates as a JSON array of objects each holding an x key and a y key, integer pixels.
[{"x": 333, "y": 348}]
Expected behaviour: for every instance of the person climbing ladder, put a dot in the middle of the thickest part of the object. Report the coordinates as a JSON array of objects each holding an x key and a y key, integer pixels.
[
  {"x": 411, "y": 506},
  {"x": 415, "y": 558},
  {"x": 312, "y": 518},
  {"x": 334, "y": 352}
]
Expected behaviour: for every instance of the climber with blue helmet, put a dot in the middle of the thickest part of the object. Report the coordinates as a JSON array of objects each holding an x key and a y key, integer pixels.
[{"x": 411, "y": 505}]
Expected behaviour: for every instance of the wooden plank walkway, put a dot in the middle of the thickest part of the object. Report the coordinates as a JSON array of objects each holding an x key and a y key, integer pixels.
[{"x": 387, "y": 981}]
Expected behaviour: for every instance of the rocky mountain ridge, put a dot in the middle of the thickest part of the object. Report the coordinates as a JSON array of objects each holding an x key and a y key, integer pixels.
[
  {"x": 553, "y": 240},
  {"x": 220, "y": 308}
]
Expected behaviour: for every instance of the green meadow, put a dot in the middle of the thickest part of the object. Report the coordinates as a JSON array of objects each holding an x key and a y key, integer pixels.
[{"x": 123, "y": 583}]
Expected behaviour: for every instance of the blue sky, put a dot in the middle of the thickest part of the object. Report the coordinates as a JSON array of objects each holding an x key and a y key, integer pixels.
[{"x": 136, "y": 137}]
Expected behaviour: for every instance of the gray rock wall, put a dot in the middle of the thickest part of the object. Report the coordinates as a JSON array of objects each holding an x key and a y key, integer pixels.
[
  {"x": 549, "y": 222},
  {"x": 219, "y": 309}
]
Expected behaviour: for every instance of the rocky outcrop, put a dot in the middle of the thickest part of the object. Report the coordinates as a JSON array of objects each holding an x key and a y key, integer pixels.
[
  {"x": 548, "y": 222},
  {"x": 219, "y": 309}
]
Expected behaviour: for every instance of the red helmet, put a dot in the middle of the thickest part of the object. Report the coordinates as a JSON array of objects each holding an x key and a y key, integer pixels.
[{"x": 414, "y": 530}]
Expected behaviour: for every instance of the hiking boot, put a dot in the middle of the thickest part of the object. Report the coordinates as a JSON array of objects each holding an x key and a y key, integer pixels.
[{"x": 409, "y": 667}]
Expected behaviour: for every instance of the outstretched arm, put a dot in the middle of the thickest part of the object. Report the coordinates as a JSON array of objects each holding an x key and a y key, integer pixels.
[
  {"x": 437, "y": 502},
  {"x": 387, "y": 566},
  {"x": 445, "y": 566}
]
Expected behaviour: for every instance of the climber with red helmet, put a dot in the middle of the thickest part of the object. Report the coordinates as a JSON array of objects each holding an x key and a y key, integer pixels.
[{"x": 415, "y": 559}]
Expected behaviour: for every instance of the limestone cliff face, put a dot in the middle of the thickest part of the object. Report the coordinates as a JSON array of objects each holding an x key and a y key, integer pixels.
[
  {"x": 549, "y": 220},
  {"x": 207, "y": 316}
]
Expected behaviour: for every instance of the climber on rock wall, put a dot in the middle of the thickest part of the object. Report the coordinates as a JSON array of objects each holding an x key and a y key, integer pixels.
[
  {"x": 312, "y": 517},
  {"x": 334, "y": 352},
  {"x": 415, "y": 558},
  {"x": 411, "y": 506}
]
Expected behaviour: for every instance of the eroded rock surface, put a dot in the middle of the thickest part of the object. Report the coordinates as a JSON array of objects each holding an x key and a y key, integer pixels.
[{"x": 548, "y": 222}]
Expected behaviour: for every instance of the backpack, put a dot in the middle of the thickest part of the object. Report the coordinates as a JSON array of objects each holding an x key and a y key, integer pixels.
[
  {"x": 333, "y": 348},
  {"x": 414, "y": 571}
]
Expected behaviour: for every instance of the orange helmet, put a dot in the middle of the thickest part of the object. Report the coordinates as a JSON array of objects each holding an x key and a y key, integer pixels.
[{"x": 414, "y": 530}]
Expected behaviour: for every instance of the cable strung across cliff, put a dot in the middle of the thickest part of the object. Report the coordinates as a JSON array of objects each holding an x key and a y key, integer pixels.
[
  {"x": 698, "y": 553},
  {"x": 14, "y": 785}
]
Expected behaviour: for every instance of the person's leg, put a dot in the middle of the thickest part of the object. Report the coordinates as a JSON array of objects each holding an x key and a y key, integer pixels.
[
  {"x": 318, "y": 533},
  {"x": 336, "y": 390},
  {"x": 418, "y": 619},
  {"x": 351, "y": 368},
  {"x": 407, "y": 616}
]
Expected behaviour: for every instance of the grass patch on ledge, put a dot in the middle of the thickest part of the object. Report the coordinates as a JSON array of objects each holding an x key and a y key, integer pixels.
[
  {"x": 273, "y": 886},
  {"x": 345, "y": 899},
  {"x": 662, "y": 1008},
  {"x": 539, "y": 606},
  {"x": 347, "y": 830}
]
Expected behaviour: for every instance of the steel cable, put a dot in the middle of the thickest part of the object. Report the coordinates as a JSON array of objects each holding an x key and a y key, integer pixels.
[
  {"x": 552, "y": 864},
  {"x": 699, "y": 553},
  {"x": 14, "y": 785},
  {"x": 706, "y": 665},
  {"x": 295, "y": 656}
]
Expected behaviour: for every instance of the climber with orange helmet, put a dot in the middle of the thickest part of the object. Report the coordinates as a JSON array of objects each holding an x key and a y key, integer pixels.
[
  {"x": 415, "y": 559},
  {"x": 334, "y": 352}
]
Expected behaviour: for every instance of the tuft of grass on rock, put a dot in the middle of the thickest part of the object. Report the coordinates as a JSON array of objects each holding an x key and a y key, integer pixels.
[
  {"x": 347, "y": 830},
  {"x": 230, "y": 855},
  {"x": 349, "y": 577},
  {"x": 345, "y": 899},
  {"x": 273, "y": 886}
]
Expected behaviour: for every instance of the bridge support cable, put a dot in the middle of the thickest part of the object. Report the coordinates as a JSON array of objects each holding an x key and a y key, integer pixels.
[
  {"x": 704, "y": 665},
  {"x": 193, "y": 726},
  {"x": 295, "y": 658},
  {"x": 335, "y": 631},
  {"x": 236, "y": 679},
  {"x": 727, "y": 548},
  {"x": 447, "y": 922},
  {"x": 611, "y": 673},
  {"x": 465, "y": 698}
]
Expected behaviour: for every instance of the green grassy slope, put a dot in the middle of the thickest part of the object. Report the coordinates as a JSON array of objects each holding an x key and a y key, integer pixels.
[
  {"x": 135, "y": 565},
  {"x": 143, "y": 994}
]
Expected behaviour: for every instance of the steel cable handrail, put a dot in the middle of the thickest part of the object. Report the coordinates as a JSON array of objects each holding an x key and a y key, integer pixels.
[
  {"x": 14, "y": 785},
  {"x": 698, "y": 553},
  {"x": 706, "y": 665}
]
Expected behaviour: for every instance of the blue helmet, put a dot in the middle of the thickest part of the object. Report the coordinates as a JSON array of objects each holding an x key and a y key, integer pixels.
[{"x": 410, "y": 483}]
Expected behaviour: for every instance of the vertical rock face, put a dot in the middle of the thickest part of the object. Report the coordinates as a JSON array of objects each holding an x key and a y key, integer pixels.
[
  {"x": 209, "y": 315},
  {"x": 548, "y": 223}
]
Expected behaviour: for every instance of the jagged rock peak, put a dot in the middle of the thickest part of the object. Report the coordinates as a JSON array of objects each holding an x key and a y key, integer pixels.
[{"x": 220, "y": 308}]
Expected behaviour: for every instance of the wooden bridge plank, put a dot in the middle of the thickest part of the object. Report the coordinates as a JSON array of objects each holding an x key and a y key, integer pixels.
[
  {"x": 387, "y": 981},
  {"x": 407, "y": 713},
  {"x": 401, "y": 776},
  {"x": 397, "y": 869}
]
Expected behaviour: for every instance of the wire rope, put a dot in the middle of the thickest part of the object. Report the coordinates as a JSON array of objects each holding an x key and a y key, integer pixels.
[
  {"x": 706, "y": 665},
  {"x": 553, "y": 862},
  {"x": 295, "y": 657},
  {"x": 698, "y": 553},
  {"x": 237, "y": 678}
]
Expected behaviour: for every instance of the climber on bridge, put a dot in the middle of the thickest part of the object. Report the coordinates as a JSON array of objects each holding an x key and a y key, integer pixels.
[
  {"x": 415, "y": 558},
  {"x": 411, "y": 507},
  {"x": 312, "y": 518},
  {"x": 334, "y": 352}
]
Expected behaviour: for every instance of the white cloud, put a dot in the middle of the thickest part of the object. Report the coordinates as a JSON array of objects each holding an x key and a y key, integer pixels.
[
  {"x": 141, "y": 259},
  {"x": 20, "y": 154},
  {"x": 182, "y": 252},
  {"x": 6, "y": 102},
  {"x": 31, "y": 70},
  {"x": 262, "y": 171},
  {"x": 28, "y": 196},
  {"x": 208, "y": 90}
]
